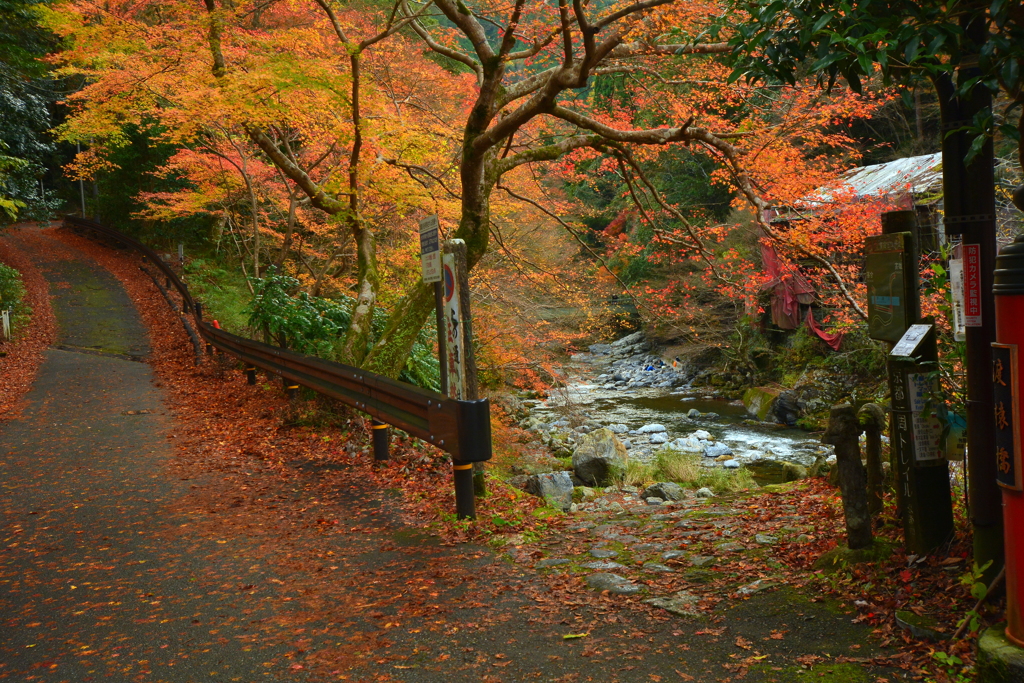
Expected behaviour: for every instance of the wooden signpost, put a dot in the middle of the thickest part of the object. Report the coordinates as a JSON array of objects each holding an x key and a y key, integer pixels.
[
  {"x": 917, "y": 434},
  {"x": 444, "y": 264}
]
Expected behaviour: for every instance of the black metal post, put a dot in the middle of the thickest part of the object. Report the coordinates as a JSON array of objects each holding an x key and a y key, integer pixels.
[
  {"x": 199, "y": 311},
  {"x": 250, "y": 374},
  {"x": 465, "y": 498},
  {"x": 381, "y": 437},
  {"x": 292, "y": 390}
]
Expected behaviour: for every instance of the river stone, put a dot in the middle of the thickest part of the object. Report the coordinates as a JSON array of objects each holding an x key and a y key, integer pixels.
[
  {"x": 617, "y": 428},
  {"x": 603, "y": 349},
  {"x": 705, "y": 492},
  {"x": 555, "y": 488},
  {"x": 657, "y": 567},
  {"x": 603, "y": 564},
  {"x": 613, "y": 583},
  {"x": 701, "y": 560},
  {"x": 659, "y": 438},
  {"x": 702, "y": 435},
  {"x": 645, "y": 547},
  {"x": 603, "y": 553},
  {"x": 551, "y": 562},
  {"x": 693, "y": 413},
  {"x": 599, "y": 457},
  {"x": 690, "y": 444},
  {"x": 683, "y": 604},
  {"x": 765, "y": 539},
  {"x": 667, "y": 490},
  {"x": 673, "y": 555},
  {"x": 653, "y": 500},
  {"x": 713, "y": 450},
  {"x": 760, "y": 401},
  {"x": 651, "y": 429},
  {"x": 731, "y": 464}
]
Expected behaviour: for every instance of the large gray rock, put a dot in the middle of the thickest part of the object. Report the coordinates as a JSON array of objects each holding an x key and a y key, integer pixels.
[
  {"x": 628, "y": 340},
  {"x": 666, "y": 490},
  {"x": 599, "y": 458},
  {"x": 766, "y": 471},
  {"x": 555, "y": 488}
]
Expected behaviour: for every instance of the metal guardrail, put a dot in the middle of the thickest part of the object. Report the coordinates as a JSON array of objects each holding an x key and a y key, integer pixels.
[{"x": 461, "y": 428}]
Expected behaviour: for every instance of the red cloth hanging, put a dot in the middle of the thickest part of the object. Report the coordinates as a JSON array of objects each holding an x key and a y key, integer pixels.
[
  {"x": 833, "y": 339},
  {"x": 790, "y": 289}
]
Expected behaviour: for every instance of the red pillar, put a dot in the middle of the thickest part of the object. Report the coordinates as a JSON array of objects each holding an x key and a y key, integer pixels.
[{"x": 1008, "y": 393}]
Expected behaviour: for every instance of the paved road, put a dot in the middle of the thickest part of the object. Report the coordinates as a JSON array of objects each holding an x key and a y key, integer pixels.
[{"x": 96, "y": 582}]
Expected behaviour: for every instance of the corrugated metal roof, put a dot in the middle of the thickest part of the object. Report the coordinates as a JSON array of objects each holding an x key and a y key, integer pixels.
[{"x": 920, "y": 175}]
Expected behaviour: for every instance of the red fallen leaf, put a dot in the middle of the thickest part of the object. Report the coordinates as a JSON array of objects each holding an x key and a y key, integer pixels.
[{"x": 906, "y": 576}]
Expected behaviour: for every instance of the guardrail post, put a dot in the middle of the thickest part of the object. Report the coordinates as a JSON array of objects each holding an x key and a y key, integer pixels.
[
  {"x": 250, "y": 374},
  {"x": 465, "y": 497},
  {"x": 290, "y": 388},
  {"x": 199, "y": 310},
  {"x": 381, "y": 436}
]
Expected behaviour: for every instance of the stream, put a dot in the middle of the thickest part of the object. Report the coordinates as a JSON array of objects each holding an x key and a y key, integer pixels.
[{"x": 584, "y": 399}]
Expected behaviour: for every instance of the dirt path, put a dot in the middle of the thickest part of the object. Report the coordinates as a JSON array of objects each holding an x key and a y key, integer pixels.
[{"x": 121, "y": 560}]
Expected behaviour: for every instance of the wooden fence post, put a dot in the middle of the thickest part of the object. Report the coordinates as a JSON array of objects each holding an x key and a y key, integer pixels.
[
  {"x": 843, "y": 432},
  {"x": 872, "y": 419}
]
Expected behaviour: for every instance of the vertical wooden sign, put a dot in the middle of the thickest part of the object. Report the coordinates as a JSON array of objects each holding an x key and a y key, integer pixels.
[
  {"x": 1007, "y": 418},
  {"x": 460, "y": 362}
]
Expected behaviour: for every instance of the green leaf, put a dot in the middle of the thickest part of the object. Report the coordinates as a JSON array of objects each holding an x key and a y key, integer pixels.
[{"x": 572, "y": 636}]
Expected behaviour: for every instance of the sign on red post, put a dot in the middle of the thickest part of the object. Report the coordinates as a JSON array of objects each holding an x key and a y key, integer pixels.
[{"x": 972, "y": 285}]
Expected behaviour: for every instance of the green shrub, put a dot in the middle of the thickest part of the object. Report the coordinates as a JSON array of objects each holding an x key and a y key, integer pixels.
[
  {"x": 317, "y": 326},
  {"x": 12, "y": 296}
]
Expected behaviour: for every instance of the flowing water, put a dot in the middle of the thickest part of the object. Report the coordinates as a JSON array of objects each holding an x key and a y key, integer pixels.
[{"x": 727, "y": 421}]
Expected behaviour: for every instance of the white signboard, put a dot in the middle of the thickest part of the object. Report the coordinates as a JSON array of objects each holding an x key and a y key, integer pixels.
[
  {"x": 430, "y": 249},
  {"x": 911, "y": 338},
  {"x": 956, "y": 282},
  {"x": 926, "y": 425}
]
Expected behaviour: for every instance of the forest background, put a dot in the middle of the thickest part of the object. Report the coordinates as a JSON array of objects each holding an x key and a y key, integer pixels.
[{"x": 587, "y": 153}]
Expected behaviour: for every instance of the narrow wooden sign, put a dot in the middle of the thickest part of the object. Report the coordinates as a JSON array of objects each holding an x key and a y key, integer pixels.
[{"x": 1007, "y": 421}]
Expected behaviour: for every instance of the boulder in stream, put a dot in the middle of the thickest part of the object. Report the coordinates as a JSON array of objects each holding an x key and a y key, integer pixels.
[
  {"x": 599, "y": 457},
  {"x": 760, "y": 401}
]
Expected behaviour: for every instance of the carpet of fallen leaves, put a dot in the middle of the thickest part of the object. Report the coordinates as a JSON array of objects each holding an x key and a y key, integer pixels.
[
  {"x": 242, "y": 432},
  {"x": 24, "y": 354}
]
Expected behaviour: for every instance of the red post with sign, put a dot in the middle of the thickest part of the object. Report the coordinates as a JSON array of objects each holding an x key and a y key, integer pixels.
[{"x": 1008, "y": 289}]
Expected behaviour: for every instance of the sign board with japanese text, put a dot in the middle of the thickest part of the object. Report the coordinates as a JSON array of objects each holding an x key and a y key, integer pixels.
[
  {"x": 956, "y": 286},
  {"x": 1007, "y": 420},
  {"x": 972, "y": 285},
  {"x": 884, "y": 275},
  {"x": 453, "y": 330},
  {"x": 430, "y": 249}
]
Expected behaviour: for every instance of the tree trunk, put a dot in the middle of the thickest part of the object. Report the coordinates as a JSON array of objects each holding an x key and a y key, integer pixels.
[
  {"x": 388, "y": 355},
  {"x": 872, "y": 419},
  {"x": 843, "y": 432}
]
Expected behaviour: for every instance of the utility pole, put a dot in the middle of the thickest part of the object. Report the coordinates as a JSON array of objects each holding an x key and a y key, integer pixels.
[{"x": 969, "y": 201}]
